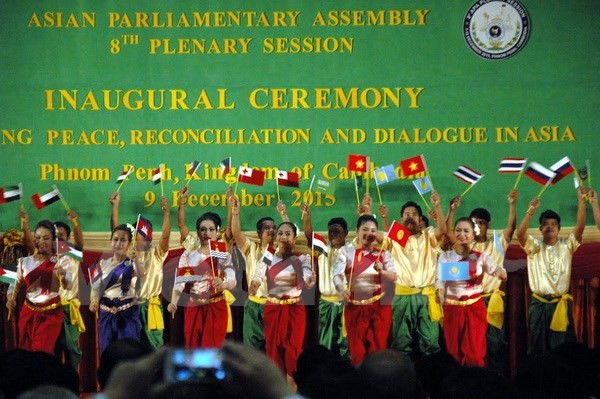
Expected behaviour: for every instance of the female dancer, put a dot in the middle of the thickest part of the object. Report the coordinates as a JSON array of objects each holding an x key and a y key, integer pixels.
[
  {"x": 203, "y": 274},
  {"x": 286, "y": 273},
  {"x": 465, "y": 315},
  {"x": 359, "y": 276},
  {"x": 113, "y": 293},
  {"x": 41, "y": 317}
]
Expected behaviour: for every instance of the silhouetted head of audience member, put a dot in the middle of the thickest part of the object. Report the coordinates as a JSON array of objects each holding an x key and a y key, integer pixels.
[
  {"x": 475, "y": 383},
  {"x": 570, "y": 371},
  {"x": 432, "y": 370},
  {"x": 337, "y": 379},
  {"x": 48, "y": 392},
  {"x": 307, "y": 360},
  {"x": 116, "y": 352},
  {"x": 391, "y": 374},
  {"x": 21, "y": 370}
]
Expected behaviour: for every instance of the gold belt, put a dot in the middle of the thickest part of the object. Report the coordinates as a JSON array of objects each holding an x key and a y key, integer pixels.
[
  {"x": 116, "y": 309},
  {"x": 466, "y": 302},
  {"x": 41, "y": 309},
  {"x": 277, "y": 301},
  {"x": 365, "y": 301},
  {"x": 201, "y": 301}
]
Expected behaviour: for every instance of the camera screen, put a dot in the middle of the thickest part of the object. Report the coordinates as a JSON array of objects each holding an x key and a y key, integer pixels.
[{"x": 197, "y": 365}]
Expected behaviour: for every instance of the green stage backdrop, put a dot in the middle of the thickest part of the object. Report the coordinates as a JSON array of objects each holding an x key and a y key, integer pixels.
[{"x": 90, "y": 88}]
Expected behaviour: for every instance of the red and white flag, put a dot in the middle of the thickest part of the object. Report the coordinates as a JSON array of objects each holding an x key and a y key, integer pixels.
[
  {"x": 218, "y": 249},
  {"x": 11, "y": 193},
  {"x": 268, "y": 255},
  {"x": 144, "y": 228},
  {"x": 467, "y": 174},
  {"x": 94, "y": 272},
  {"x": 562, "y": 168},
  {"x": 539, "y": 174},
  {"x": 251, "y": 176},
  {"x": 319, "y": 243},
  {"x": 157, "y": 175},
  {"x": 42, "y": 201},
  {"x": 288, "y": 179}
]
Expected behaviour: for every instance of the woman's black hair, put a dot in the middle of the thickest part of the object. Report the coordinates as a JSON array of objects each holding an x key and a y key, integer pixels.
[{"x": 209, "y": 216}]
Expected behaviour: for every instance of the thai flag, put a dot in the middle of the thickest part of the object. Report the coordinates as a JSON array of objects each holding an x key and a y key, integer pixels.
[
  {"x": 562, "y": 168},
  {"x": 512, "y": 165},
  {"x": 218, "y": 249},
  {"x": 539, "y": 174},
  {"x": 467, "y": 174}
]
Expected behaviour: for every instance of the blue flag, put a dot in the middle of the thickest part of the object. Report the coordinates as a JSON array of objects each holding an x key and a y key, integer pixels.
[
  {"x": 385, "y": 174},
  {"x": 453, "y": 271},
  {"x": 423, "y": 185}
]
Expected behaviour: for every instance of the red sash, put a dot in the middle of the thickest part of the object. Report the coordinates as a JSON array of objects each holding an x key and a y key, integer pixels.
[
  {"x": 274, "y": 270},
  {"x": 42, "y": 275}
]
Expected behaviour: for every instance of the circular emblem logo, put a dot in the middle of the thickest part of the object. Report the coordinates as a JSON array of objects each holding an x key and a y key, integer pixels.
[{"x": 496, "y": 30}]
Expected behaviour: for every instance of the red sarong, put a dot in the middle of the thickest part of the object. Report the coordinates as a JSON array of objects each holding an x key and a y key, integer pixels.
[
  {"x": 205, "y": 326},
  {"x": 368, "y": 328},
  {"x": 39, "y": 331},
  {"x": 464, "y": 333},
  {"x": 284, "y": 334}
]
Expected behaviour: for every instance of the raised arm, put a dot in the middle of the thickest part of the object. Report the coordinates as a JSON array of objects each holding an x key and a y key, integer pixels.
[
  {"x": 511, "y": 223},
  {"x": 227, "y": 233},
  {"x": 27, "y": 234},
  {"x": 307, "y": 224},
  {"x": 183, "y": 230},
  {"x": 281, "y": 208},
  {"x": 236, "y": 228},
  {"x": 534, "y": 204},
  {"x": 114, "y": 200},
  {"x": 440, "y": 220},
  {"x": 165, "y": 235},
  {"x": 581, "y": 213},
  {"x": 77, "y": 233},
  {"x": 454, "y": 205}
]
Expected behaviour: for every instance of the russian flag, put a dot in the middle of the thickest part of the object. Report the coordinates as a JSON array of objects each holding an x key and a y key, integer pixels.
[
  {"x": 42, "y": 201},
  {"x": 562, "y": 168},
  {"x": 539, "y": 174}
]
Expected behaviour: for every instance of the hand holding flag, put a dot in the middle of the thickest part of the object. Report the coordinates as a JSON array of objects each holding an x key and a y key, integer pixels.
[{"x": 123, "y": 176}]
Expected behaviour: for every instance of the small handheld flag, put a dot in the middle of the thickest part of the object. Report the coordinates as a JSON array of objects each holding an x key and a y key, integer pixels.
[
  {"x": 144, "y": 228},
  {"x": 193, "y": 168},
  {"x": 319, "y": 243},
  {"x": 539, "y": 174},
  {"x": 385, "y": 174},
  {"x": 512, "y": 165},
  {"x": 7, "y": 276},
  {"x": 288, "y": 179},
  {"x": 94, "y": 272},
  {"x": 412, "y": 166},
  {"x": 267, "y": 257},
  {"x": 398, "y": 233},
  {"x": 423, "y": 185},
  {"x": 467, "y": 174},
  {"x": 225, "y": 166},
  {"x": 325, "y": 186},
  {"x": 11, "y": 193},
  {"x": 218, "y": 249},
  {"x": 453, "y": 271},
  {"x": 358, "y": 163},
  {"x": 42, "y": 201},
  {"x": 69, "y": 249},
  {"x": 124, "y": 175},
  {"x": 251, "y": 176},
  {"x": 561, "y": 168},
  {"x": 157, "y": 176}
]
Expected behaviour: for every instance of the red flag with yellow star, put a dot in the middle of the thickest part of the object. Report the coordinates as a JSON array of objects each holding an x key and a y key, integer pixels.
[
  {"x": 412, "y": 166},
  {"x": 358, "y": 163}
]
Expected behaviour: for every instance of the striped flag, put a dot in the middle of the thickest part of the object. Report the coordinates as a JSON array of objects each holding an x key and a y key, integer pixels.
[
  {"x": 7, "y": 276},
  {"x": 157, "y": 175},
  {"x": 267, "y": 257},
  {"x": 124, "y": 175},
  {"x": 11, "y": 193},
  {"x": 69, "y": 249},
  {"x": 512, "y": 165},
  {"x": 562, "y": 168},
  {"x": 218, "y": 249},
  {"x": 42, "y": 201},
  {"x": 319, "y": 243},
  {"x": 94, "y": 273},
  {"x": 539, "y": 174},
  {"x": 467, "y": 174},
  {"x": 144, "y": 228}
]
